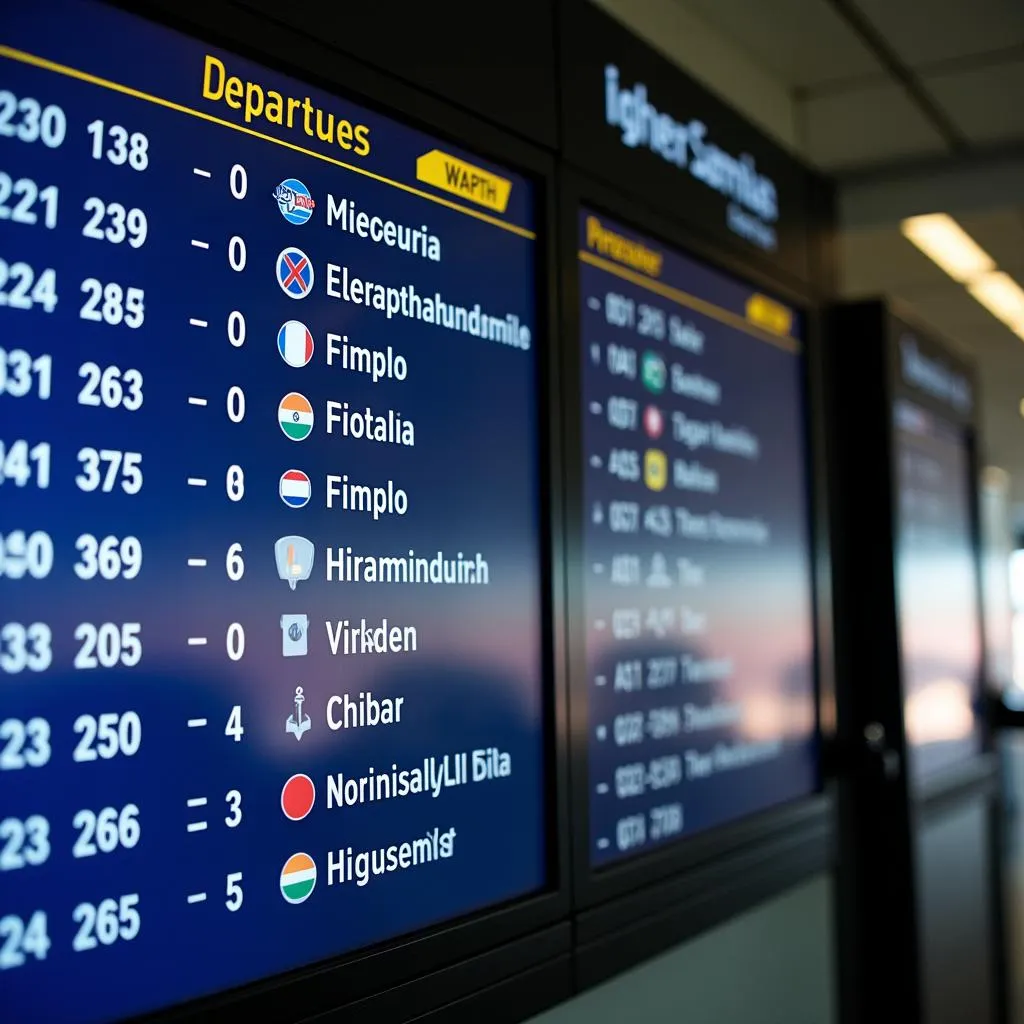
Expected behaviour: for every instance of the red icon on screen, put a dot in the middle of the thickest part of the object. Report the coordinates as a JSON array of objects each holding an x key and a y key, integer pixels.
[
  {"x": 297, "y": 797},
  {"x": 654, "y": 422}
]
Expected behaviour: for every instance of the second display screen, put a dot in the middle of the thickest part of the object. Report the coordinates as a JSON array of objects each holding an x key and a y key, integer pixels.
[{"x": 698, "y": 600}]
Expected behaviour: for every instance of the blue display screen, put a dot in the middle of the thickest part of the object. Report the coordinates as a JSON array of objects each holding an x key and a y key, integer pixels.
[
  {"x": 937, "y": 587},
  {"x": 698, "y": 598},
  {"x": 271, "y": 684}
]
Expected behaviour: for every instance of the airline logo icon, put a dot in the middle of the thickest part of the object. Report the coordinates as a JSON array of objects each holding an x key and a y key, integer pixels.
[
  {"x": 655, "y": 469},
  {"x": 294, "y": 636},
  {"x": 653, "y": 372},
  {"x": 654, "y": 422},
  {"x": 298, "y": 795},
  {"x": 294, "y": 273},
  {"x": 295, "y": 488},
  {"x": 295, "y": 343},
  {"x": 295, "y": 416},
  {"x": 298, "y": 878},
  {"x": 294, "y": 556},
  {"x": 294, "y": 201}
]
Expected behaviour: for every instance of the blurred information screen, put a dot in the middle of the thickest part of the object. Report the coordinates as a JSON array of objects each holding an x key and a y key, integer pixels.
[
  {"x": 699, "y": 620},
  {"x": 937, "y": 587}
]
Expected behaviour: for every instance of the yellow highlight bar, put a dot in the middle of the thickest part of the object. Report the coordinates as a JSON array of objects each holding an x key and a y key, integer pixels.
[
  {"x": 462, "y": 179},
  {"x": 770, "y": 315}
]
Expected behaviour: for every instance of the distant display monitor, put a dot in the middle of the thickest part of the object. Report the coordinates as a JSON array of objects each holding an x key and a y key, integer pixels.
[
  {"x": 937, "y": 590},
  {"x": 700, "y": 651},
  {"x": 271, "y": 597}
]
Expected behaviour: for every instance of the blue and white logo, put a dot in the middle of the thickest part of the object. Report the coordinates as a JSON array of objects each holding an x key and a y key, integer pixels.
[{"x": 294, "y": 201}]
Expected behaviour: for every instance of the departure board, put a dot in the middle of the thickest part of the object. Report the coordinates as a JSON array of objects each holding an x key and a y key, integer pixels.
[
  {"x": 698, "y": 605},
  {"x": 271, "y": 674},
  {"x": 938, "y": 596}
]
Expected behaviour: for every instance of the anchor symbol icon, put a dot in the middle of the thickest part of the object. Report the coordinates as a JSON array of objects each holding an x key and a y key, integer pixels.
[{"x": 298, "y": 723}]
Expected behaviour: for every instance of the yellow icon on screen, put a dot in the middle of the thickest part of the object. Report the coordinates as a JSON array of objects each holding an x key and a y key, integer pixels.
[{"x": 655, "y": 469}]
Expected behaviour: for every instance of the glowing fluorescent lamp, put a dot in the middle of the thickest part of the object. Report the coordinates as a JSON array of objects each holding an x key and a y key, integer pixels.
[
  {"x": 1002, "y": 297},
  {"x": 944, "y": 242}
]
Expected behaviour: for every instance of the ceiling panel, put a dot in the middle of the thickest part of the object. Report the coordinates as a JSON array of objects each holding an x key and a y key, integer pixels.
[
  {"x": 984, "y": 102},
  {"x": 804, "y": 43},
  {"x": 923, "y": 32},
  {"x": 864, "y": 127},
  {"x": 1001, "y": 234},
  {"x": 879, "y": 260}
]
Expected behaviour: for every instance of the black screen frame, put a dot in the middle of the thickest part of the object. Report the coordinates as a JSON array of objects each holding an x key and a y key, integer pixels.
[
  {"x": 510, "y": 938},
  {"x": 805, "y": 815}
]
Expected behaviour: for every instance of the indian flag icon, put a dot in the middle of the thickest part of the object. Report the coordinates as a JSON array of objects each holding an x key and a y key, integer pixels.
[
  {"x": 295, "y": 415},
  {"x": 298, "y": 878}
]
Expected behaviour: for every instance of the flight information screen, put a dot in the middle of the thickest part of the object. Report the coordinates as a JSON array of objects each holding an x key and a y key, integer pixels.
[
  {"x": 271, "y": 635},
  {"x": 698, "y": 603},
  {"x": 937, "y": 586}
]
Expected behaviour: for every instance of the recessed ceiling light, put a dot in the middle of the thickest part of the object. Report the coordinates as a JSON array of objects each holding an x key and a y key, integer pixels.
[{"x": 943, "y": 241}]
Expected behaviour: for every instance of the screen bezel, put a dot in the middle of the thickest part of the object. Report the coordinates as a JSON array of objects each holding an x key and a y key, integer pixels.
[
  {"x": 951, "y": 777},
  {"x": 486, "y": 935},
  {"x": 806, "y": 813}
]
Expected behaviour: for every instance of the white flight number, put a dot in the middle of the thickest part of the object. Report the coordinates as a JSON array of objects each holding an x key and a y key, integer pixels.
[
  {"x": 24, "y": 554},
  {"x": 27, "y": 120},
  {"x": 20, "y": 464},
  {"x": 108, "y": 644},
  {"x": 126, "y": 466},
  {"x": 110, "y": 386},
  {"x": 20, "y": 289},
  {"x": 25, "y": 744},
  {"x": 19, "y": 940},
  {"x": 109, "y": 558},
  {"x": 24, "y": 843},
  {"x": 124, "y": 147},
  {"x": 111, "y": 222},
  {"x": 106, "y": 735},
  {"x": 17, "y": 369},
  {"x": 106, "y": 922},
  {"x": 112, "y": 304},
  {"x": 25, "y": 647},
  {"x": 27, "y": 195},
  {"x": 104, "y": 831}
]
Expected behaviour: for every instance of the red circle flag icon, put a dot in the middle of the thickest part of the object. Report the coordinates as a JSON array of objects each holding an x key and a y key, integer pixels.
[{"x": 297, "y": 797}]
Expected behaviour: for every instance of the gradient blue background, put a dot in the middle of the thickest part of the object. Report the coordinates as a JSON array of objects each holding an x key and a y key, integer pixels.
[
  {"x": 472, "y": 481},
  {"x": 757, "y": 599}
]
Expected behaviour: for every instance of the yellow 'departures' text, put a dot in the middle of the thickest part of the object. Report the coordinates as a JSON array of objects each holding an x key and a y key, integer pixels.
[
  {"x": 287, "y": 111},
  {"x": 622, "y": 250}
]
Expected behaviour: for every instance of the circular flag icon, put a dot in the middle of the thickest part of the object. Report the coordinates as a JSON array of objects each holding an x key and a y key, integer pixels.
[
  {"x": 294, "y": 201},
  {"x": 295, "y": 488},
  {"x": 295, "y": 415},
  {"x": 654, "y": 422},
  {"x": 294, "y": 273},
  {"x": 297, "y": 797},
  {"x": 295, "y": 343},
  {"x": 298, "y": 878}
]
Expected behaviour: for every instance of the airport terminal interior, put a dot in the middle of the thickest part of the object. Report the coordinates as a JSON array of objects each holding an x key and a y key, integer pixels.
[{"x": 512, "y": 514}]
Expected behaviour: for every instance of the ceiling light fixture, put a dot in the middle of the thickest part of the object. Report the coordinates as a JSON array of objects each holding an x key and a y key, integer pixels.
[
  {"x": 944, "y": 242},
  {"x": 1002, "y": 297}
]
